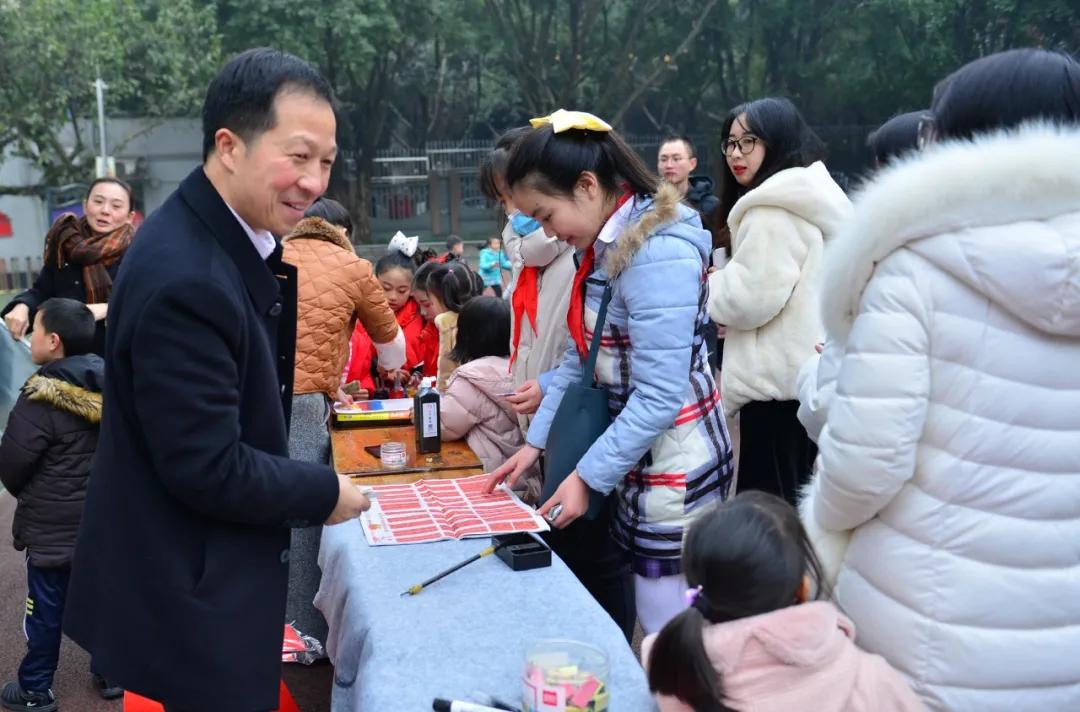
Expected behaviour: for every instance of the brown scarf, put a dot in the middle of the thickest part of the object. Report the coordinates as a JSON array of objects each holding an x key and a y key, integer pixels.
[{"x": 71, "y": 240}]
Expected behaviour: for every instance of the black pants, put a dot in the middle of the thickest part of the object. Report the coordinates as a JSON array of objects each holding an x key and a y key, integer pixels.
[
  {"x": 45, "y": 597},
  {"x": 775, "y": 453},
  {"x": 496, "y": 288},
  {"x": 601, "y": 565}
]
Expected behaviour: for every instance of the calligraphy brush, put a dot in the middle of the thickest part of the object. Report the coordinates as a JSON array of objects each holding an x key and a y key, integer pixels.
[{"x": 413, "y": 590}]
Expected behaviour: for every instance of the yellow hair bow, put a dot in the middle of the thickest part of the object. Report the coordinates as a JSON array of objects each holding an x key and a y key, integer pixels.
[{"x": 563, "y": 120}]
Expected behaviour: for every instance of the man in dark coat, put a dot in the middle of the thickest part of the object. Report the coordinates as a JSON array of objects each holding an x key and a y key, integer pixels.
[
  {"x": 675, "y": 161},
  {"x": 179, "y": 580}
]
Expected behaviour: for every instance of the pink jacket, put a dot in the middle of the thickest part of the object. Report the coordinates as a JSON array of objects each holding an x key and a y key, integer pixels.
[
  {"x": 472, "y": 409},
  {"x": 800, "y": 657}
]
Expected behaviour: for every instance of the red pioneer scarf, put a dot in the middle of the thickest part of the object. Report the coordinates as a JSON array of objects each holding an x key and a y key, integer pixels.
[
  {"x": 524, "y": 300},
  {"x": 575, "y": 314}
]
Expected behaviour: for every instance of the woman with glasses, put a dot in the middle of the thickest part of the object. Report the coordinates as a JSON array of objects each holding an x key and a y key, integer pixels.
[
  {"x": 780, "y": 205},
  {"x": 950, "y": 456}
]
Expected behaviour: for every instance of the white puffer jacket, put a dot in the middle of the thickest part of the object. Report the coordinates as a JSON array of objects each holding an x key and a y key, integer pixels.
[
  {"x": 952, "y": 444},
  {"x": 767, "y": 295}
]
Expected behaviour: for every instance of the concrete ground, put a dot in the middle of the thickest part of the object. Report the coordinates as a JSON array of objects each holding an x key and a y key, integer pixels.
[{"x": 310, "y": 686}]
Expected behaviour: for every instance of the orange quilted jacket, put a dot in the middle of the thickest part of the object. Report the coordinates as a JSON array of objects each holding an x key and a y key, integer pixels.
[{"x": 335, "y": 289}]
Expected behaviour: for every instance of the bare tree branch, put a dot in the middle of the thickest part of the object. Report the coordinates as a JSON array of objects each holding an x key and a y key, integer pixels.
[{"x": 651, "y": 81}]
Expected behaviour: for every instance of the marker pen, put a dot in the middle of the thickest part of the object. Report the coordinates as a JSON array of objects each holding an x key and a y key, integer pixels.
[{"x": 441, "y": 705}]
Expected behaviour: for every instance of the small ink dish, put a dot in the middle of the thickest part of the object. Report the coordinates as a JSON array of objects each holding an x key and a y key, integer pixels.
[{"x": 522, "y": 552}]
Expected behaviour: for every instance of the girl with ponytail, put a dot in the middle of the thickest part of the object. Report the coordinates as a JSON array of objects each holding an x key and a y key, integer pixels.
[
  {"x": 666, "y": 453},
  {"x": 752, "y": 638}
]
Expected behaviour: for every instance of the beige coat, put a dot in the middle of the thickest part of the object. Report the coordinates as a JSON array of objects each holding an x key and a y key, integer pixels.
[
  {"x": 542, "y": 349},
  {"x": 446, "y": 323}
]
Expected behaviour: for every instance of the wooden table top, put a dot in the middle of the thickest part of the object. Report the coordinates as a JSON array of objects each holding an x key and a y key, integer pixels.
[{"x": 350, "y": 458}]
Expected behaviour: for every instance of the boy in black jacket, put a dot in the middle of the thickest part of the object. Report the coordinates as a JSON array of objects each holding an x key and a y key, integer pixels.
[{"x": 45, "y": 455}]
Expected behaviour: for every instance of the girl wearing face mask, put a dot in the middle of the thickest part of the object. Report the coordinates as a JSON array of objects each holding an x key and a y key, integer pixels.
[
  {"x": 780, "y": 206},
  {"x": 82, "y": 257},
  {"x": 542, "y": 272},
  {"x": 666, "y": 452}
]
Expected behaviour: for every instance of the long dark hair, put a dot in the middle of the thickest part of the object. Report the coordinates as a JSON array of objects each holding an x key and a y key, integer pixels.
[
  {"x": 551, "y": 163},
  {"x": 483, "y": 329},
  {"x": 1006, "y": 89},
  {"x": 750, "y": 556},
  {"x": 789, "y": 143}
]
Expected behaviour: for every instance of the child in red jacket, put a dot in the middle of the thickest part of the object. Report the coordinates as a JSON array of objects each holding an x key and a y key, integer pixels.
[{"x": 395, "y": 272}]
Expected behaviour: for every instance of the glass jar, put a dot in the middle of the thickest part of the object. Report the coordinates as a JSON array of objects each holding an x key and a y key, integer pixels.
[
  {"x": 392, "y": 454},
  {"x": 565, "y": 676}
]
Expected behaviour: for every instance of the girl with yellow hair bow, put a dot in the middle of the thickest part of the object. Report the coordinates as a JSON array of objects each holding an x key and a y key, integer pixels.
[{"x": 667, "y": 451}]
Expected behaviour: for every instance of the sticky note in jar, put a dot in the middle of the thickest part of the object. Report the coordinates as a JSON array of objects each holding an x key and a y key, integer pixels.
[{"x": 584, "y": 694}]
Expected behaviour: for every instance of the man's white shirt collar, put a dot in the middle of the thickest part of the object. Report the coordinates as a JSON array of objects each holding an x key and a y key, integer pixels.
[{"x": 264, "y": 242}]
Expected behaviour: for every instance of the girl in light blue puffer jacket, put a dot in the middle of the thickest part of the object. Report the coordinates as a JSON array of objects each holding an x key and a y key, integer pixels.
[{"x": 667, "y": 451}]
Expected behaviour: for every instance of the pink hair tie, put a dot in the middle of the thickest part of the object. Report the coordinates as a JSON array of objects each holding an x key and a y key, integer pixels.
[{"x": 692, "y": 595}]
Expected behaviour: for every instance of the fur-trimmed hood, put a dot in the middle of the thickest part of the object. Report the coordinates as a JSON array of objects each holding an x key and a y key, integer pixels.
[
  {"x": 651, "y": 216},
  {"x": 318, "y": 229},
  {"x": 1000, "y": 213},
  {"x": 72, "y": 384},
  {"x": 807, "y": 192}
]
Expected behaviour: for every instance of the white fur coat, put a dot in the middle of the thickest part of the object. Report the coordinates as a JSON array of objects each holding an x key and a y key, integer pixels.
[
  {"x": 767, "y": 295},
  {"x": 951, "y": 441}
]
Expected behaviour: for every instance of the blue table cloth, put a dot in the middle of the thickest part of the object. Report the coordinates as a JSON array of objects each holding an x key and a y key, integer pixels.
[{"x": 463, "y": 638}]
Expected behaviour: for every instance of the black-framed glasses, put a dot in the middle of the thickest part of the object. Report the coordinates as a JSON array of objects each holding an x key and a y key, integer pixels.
[{"x": 746, "y": 145}]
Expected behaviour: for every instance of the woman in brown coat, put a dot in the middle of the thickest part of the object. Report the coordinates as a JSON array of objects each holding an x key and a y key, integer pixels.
[{"x": 335, "y": 289}]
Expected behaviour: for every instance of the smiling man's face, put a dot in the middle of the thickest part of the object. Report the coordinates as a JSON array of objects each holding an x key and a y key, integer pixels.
[{"x": 276, "y": 176}]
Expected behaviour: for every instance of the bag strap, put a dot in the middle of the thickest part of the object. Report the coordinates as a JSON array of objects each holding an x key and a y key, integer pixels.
[{"x": 588, "y": 373}]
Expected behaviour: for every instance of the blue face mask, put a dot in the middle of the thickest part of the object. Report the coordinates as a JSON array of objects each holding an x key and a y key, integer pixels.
[{"x": 523, "y": 225}]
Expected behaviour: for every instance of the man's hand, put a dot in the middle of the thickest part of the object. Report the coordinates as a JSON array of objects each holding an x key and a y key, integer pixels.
[
  {"x": 350, "y": 502},
  {"x": 17, "y": 320},
  {"x": 513, "y": 468},
  {"x": 526, "y": 399}
]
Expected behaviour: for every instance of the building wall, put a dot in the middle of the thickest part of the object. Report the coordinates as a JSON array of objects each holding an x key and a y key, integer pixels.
[
  {"x": 27, "y": 214},
  {"x": 167, "y": 150}
]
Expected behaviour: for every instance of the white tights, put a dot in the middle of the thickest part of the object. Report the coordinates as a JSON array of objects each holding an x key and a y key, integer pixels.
[{"x": 659, "y": 600}]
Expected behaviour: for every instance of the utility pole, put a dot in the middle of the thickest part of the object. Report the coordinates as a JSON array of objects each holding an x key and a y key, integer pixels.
[{"x": 103, "y": 161}]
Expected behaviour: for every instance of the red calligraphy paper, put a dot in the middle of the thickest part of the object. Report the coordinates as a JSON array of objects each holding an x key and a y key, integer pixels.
[{"x": 433, "y": 510}]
